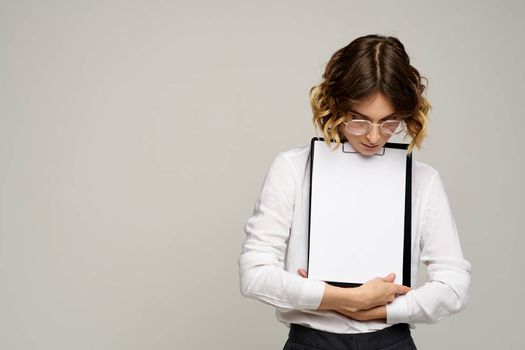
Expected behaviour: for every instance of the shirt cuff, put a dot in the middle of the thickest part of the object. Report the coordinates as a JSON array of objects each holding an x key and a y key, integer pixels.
[
  {"x": 311, "y": 294},
  {"x": 397, "y": 311}
]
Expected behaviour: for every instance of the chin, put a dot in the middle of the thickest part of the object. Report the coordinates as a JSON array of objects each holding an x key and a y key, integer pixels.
[
  {"x": 358, "y": 146},
  {"x": 367, "y": 152}
]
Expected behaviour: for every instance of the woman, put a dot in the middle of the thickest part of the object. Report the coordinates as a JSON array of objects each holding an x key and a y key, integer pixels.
[{"x": 368, "y": 93}]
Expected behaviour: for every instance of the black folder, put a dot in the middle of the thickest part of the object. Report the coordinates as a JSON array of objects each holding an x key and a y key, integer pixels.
[{"x": 359, "y": 214}]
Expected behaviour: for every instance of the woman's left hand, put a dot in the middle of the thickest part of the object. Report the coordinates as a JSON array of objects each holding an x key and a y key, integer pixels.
[{"x": 375, "y": 313}]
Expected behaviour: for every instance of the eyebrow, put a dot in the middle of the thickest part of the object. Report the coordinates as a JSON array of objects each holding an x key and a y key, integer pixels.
[{"x": 367, "y": 117}]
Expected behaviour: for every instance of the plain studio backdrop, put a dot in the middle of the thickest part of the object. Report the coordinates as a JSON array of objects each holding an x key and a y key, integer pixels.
[{"x": 135, "y": 136}]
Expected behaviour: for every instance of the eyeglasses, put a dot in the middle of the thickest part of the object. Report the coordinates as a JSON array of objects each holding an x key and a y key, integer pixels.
[{"x": 361, "y": 126}]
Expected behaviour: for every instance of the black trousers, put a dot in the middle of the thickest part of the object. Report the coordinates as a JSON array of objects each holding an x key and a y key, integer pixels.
[{"x": 396, "y": 337}]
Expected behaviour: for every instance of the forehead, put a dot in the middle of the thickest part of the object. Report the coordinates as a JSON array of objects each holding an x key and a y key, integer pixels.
[
  {"x": 375, "y": 107},
  {"x": 357, "y": 114}
]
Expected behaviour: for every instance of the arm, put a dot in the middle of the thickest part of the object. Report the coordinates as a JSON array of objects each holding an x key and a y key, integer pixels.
[
  {"x": 261, "y": 262},
  {"x": 446, "y": 291},
  {"x": 360, "y": 303}
]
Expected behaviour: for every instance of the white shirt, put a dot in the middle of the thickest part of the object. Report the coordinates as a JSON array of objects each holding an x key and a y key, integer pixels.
[{"x": 276, "y": 245}]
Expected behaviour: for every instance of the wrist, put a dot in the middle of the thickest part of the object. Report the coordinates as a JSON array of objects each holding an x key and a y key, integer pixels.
[
  {"x": 382, "y": 313},
  {"x": 354, "y": 300},
  {"x": 338, "y": 298}
]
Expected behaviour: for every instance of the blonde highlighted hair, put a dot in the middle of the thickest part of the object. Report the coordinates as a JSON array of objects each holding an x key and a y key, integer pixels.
[{"x": 368, "y": 65}]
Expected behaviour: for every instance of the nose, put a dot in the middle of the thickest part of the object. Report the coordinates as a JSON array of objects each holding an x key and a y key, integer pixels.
[{"x": 374, "y": 135}]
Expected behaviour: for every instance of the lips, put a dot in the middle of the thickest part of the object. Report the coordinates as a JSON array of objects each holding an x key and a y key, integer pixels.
[{"x": 370, "y": 146}]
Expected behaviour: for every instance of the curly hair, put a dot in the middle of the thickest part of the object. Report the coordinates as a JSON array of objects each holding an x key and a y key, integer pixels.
[{"x": 370, "y": 64}]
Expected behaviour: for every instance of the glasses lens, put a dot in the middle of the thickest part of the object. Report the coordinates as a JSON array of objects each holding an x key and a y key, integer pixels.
[
  {"x": 391, "y": 127},
  {"x": 357, "y": 127}
]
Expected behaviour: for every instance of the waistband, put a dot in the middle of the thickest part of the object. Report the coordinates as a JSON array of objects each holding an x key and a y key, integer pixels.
[{"x": 328, "y": 340}]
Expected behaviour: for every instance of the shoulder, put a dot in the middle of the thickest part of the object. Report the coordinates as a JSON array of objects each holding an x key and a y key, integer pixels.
[
  {"x": 295, "y": 158},
  {"x": 282, "y": 176},
  {"x": 423, "y": 171},
  {"x": 425, "y": 179},
  {"x": 287, "y": 164}
]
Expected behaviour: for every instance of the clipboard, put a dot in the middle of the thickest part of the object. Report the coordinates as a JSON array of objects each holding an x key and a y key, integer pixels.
[{"x": 359, "y": 214}]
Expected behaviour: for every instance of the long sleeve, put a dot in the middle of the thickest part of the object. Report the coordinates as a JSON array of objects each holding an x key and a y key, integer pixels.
[
  {"x": 448, "y": 273},
  {"x": 261, "y": 263}
]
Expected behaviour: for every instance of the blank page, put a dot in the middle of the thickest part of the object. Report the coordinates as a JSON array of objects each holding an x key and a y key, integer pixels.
[{"x": 357, "y": 214}]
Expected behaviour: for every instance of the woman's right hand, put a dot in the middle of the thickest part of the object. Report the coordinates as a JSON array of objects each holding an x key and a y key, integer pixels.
[
  {"x": 379, "y": 291},
  {"x": 376, "y": 292}
]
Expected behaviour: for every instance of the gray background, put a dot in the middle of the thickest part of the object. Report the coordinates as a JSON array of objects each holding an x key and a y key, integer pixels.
[{"x": 135, "y": 136}]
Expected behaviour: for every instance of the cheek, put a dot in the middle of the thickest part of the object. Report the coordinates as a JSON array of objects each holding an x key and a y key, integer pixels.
[
  {"x": 352, "y": 138},
  {"x": 385, "y": 139},
  {"x": 356, "y": 138}
]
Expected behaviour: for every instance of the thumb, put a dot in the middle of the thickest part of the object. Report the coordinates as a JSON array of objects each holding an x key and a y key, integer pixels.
[
  {"x": 390, "y": 277},
  {"x": 302, "y": 273}
]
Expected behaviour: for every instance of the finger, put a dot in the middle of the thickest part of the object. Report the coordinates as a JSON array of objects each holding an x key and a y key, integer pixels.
[
  {"x": 390, "y": 277},
  {"x": 302, "y": 273},
  {"x": 402, "y": 289},
  {"x": 403, "y": 286}
]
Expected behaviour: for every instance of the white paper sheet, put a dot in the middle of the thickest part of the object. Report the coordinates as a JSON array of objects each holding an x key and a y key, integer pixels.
[{"x": 357, "y": 214}]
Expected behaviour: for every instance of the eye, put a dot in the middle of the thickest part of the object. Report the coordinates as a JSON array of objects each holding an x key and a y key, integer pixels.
[{"x": 394, "y": 117}]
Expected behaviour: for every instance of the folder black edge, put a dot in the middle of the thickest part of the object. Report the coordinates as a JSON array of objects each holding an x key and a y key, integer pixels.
[{"x": 407, "y": 242}]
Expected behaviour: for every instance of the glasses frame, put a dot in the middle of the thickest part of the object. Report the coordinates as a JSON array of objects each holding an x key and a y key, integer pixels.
[{"x": 371, "y": 125}]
